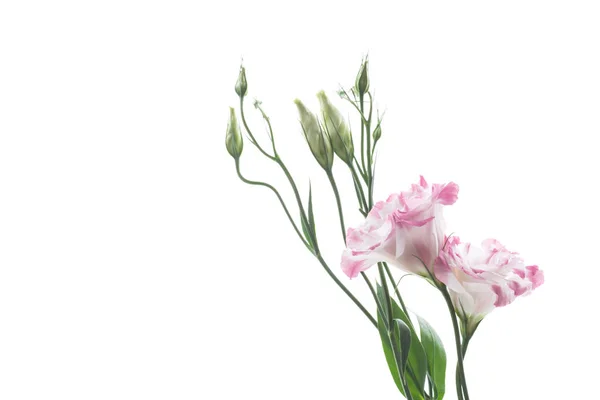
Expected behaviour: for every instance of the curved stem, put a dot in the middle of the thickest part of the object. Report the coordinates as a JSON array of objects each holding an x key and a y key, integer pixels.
[
  {"x": 252, "y": 138},
  {"x": 460, "y": 369},
  {"x": 287, "y": 212},
  {"x": 319, "y": 257},
  {"x": 296, "y": 194}
]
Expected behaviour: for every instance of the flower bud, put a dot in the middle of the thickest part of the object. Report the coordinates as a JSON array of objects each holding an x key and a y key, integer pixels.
[
  {"x": 337, "y": 129},
  {"x": 233, "y": 137},
  {"x": 362, "y": 78},
  {"x": 318, "y": 141},
  {"x": 241, "y": 86},
  {"x": 377, "y": 133}
]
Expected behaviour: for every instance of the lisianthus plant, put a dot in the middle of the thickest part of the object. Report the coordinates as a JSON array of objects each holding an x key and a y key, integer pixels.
[{"x": 404, "y": 234}]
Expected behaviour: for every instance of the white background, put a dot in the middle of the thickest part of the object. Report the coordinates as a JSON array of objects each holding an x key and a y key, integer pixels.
[{"x": 135, "y": 265}]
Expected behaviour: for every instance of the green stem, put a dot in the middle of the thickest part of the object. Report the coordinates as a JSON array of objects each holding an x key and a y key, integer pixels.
[
  {"x": 338, "y": 202},
  {"x": 362, "y": 136},
  {"x": 460, "y": 369},
  {"x": 302, "y": 216},
  {"x": 297, "y": 195},
  {"x": 287, "y": 212},
  {"x": 252, "y": 138},
  {"x": 458, "y": 385},
  {"x": 368, "y": 134},
  {"x": 465, "y": 344},
  {"x": 277, "y": 159},
  {"x": 341, "y": 217},
  {"x": 386, "y": 293},
  {"x": 396, "y": 290},
  {"x": 377, "y": 302},
  {"x": 345, "y": 289},
  {"x": 360, "y": 194}
]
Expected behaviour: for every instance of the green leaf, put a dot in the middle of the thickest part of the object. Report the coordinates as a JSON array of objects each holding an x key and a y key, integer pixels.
[
  {"x": 389, "y": 353},
  {"x": 436, "y": 357},
  {"x": 309, "y": 230},
  {"x": 311, "y": 217},
  {"x": 402, "y": 332},
  {"x": 416, "y": 370},
  {"x": 307, "y": 235}
]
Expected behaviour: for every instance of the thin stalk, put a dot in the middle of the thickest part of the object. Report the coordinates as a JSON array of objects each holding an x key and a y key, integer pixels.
[
  {"x": 386, "y": 293},
  {"x": 287, "y": 212},
  {"x": 362, "y": 173},
  {"x": 277, "y": 159},
  {"x": 316, "y": 252},
  {"x": 458, "y": 385},
  {"x": 341, "y": 217},
  {"x": 362, "y": 135},
  {"x": 460, "y": 369},
  {"x": 252, "y": 138},
  {"x": 368, "y": 134},
  {"x": 377, "y": 302},
  {"x": 360, "y": 194},
  {"x": 338, "y": 202},
  {"x": 345, "y": 289},
  {"x": 396, "y": 290}
]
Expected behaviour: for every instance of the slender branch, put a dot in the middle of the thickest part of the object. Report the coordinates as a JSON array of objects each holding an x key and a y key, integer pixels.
[
  {"x": 266, "y": 118},
  {"x": 362, "y": 117},
  {"x": 362, "y": 137},
  {"x": 460, "y": 369},
  {"x": 345, "y": 289},
  {"x": 316, "y": 251},
  {"x": 277, "y": 159},
  {"x": 360, "y": 194},
  {"x": 252, "y": 138},
  {"x": 386, "y": 292},
  {"x": 368, "y": 134},
  {"x": 397, "y": 291},
  {"x": 287, "y": 212},
  {"x": 338, "y": 202}
]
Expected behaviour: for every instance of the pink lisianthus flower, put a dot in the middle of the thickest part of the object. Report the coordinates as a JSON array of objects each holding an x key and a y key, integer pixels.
[
  {"x": 406, "y": 230},
  {"x": 482, "y": 279}
]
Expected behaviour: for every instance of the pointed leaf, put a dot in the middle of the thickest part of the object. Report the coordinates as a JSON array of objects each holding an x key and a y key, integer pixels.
[
  {"x": 403, "y": 334},
  {"x": 389, "y": 352},
  {"x": 436, "y": 357},
  {"x": 416, "y": 370},
  {"x": 307, "y": 234},
  {"x": 311, "y": 217}
]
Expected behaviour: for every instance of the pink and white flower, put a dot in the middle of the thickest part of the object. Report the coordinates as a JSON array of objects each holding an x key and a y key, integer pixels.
[
  {"x": 406, "y": 230},
  {"x": 482, "y": 279}
]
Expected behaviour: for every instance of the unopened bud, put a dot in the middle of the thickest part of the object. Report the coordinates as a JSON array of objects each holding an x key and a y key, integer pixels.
[
  {"x": 233, "y": 137},
  {"x": 377, "y": 133},
  {"x": 318, "y": 141},
  {"x": 241, "y": 86},
  {"x": 362, "y": 78},
  {"x": 337, "y": 129}
]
